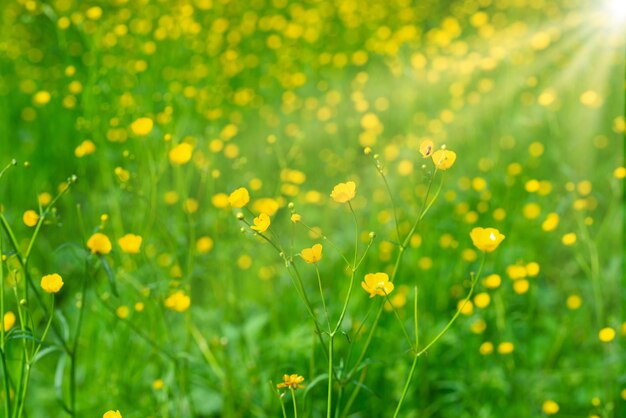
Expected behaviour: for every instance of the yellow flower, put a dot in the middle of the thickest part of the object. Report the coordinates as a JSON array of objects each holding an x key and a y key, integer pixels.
[
  {"x": 312, "y": 255},
  {"x": 606, "y": 335},
  {"x": 112, "y": 414},
  {"x": 181, "y": 154},
  {"x": 426, "y": 148},
  {"x": 295, "y": 218},
  {"x": 99, "y": 243},
  {"x": 344, "y": 192},
  {"x": 130, "y": 243},
  {"x": 9, "y": 321},
  {"x": 377, "y": 284},
  {"x": 486, "y": 239},
  {"x": 569, "y": 238},
  {"x": 239, "y": 198},
  {"x": 142, "y": 126},
  {"x": 178, "y": 301},
  {"x": 550, "y": 407},
  {"x": 51, "y": 283},
  {"x": 85, "y": 148},
  {"x": 30, "y": 218},
  {"x": 204, "y": 245},
  {"x": 291, "y": 381},
  {"x": 261, "y": 222},
  {"x": 444, "y": 159}
]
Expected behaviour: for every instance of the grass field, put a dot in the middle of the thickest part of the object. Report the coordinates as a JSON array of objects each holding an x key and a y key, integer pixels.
[{"x": 276, "y": 208}]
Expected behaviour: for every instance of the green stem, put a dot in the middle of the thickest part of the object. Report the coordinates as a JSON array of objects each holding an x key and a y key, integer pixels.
[
  {"x": 319, "y": 283},
  {"x": 445, "y": 329},
  {"x": 330, "y": 377},
  {"x": 295, "y": 407}
]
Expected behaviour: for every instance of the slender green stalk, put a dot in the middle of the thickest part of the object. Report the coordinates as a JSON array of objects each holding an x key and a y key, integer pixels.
[
  {"x": 319, "y": 282},
  {"x": 329, "y": 399},
  {"x": 395, "y": 311},
  {"x": 295, "y": 407},
  {"x": 5, "y": 369},
  {"x": 434, "y": 340}
]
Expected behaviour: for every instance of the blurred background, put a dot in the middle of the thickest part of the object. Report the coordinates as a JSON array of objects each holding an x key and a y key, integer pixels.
[{"x": 282, "y": 97}]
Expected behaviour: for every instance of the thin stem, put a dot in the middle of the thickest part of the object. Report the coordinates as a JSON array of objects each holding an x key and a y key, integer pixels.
[
  {"x": 330, "y": 377},
  {"x": 295, "y": 407},
  {"x": 406, "y": 334},
  {"x": 319, "y": 282},
  {"x": 445, "y": 329}
]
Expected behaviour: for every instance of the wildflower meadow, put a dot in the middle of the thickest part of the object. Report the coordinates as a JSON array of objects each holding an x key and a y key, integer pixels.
[{"x": 312, "y": 208}]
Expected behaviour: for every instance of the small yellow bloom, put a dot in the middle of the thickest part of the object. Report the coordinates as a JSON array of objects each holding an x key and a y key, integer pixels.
[
  {"x": 486, "y": 239},
  {"x": 492, "y": 281},
  {"x": 51, "y": 283},
  {"x": 130, "y": 243},
  {"x": 142, "y": 126},
  {"x": 444, "y": 159},
  {"x": 426, "y": 148},
  {"x": 377, "y": 284},
  {"x": 99, "y": 243},
  {"x": 204, "y": 245},
  {"x": 312, "y": 255},
  {"x": 606, "y": 335},
  {"x": 85, "y": 148},
  {"x": 291, "y": 381},
  {"x": 486, "y": 348},
  {"x": 112, "y": 414},
  {"x": 482, "y": 300},
  {"x": 261, "y": 222},
  {"x": 569, "y": 238},
  {"x": 122, "y": 311},
  {"x": 239, "y": 198},
  {"x": 574, "y": 302},
  {"x": 295, "y": 218},
  {"x": 181, "y": 154},
  {"x": 158, "y": 384},
  {"x": 30, "y": 218},
  {"x": 506, "y": 347},
  {"x": 550, "y": 407},
  {"x": 178, "y": 301},
  {"x": 344, "y": 192},
  {"x": 8, "y": 321}
]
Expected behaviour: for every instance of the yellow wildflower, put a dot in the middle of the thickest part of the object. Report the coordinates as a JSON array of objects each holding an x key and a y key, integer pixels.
[
  {"x": 112, "y": 414},
  {"x": 51, "y": 283},
  {"x": 291, "y": 381},
  {"x": 426, "y": 148},
  {"x": 30, "y": 218},
  {"x": 99, "y": 243},
  {"x": 261, "y": 222},
  {"x": 142, "y": 126},
  {"x": 181, "y": 154},
  {"x": 550, "y": 407},
  {"x": 444, "y": 159},
  {"x": 130, "y": 243},
  {"x": 178, "y": 301},
  {"x": 295, "y": 218},
  {"x": 606, "y": 335},
  {"x": 8, "y": 321},
  {"x": 312, "y": 255},
  {"x": 239, "y": 198},
  {"x": 377, "y": 284},
  {"x": 85, "y": 148},
  {"x": 344, "y": 192},
  {"x": 486, "y": 239}
]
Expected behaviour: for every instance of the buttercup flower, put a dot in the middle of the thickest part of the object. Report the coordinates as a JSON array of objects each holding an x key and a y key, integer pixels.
[
  {"x": 112, "y": 414},
  {"x": 178, "y": 301},
  {"x": 142, "y": 126},
  {"x": 312, "y": 255},
  {"x": 85, "y": 148},
  {"x": 30, "y": 218},
  {"x": 377, "y": 284},
  {"x": 261, "y": 222},
  {"x": 291, "y": 381},
  {"x": 344, "y": 192},
  {"x": 51, "y": 283},
  {"x": 486, "y": 239},
  {"x": 181, "y": 154},
  {"x": 295, "y": 218},
  {"x": 8, "y": 321},
  {"x": 130, "y": 243},
  {"x": 99, "y": 243},
  {"x": 426, "y": 148},
  {"x": 444, "y": 159},
  {"x": 239, "y": 198}
]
